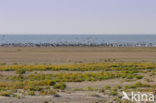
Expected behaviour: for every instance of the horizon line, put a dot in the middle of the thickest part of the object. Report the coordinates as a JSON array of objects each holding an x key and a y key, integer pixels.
[{"x": 78, "y": 34}]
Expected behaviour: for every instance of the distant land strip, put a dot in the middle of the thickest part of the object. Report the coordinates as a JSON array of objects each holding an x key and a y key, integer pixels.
[{"x": 77, "y": 44}]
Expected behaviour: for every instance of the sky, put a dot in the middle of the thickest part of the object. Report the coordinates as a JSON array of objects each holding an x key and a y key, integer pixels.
[{"x": 77, "y": 16}]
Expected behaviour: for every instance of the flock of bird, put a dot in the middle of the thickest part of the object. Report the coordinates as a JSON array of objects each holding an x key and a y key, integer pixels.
[{"x": 74, "y": 44}]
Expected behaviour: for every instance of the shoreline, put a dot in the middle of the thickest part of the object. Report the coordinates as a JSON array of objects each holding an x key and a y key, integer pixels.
[{"x": 77, "y": 45}]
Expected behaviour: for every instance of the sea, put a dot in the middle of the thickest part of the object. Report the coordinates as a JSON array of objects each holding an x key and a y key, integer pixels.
[{"x": 129, "y": 40}]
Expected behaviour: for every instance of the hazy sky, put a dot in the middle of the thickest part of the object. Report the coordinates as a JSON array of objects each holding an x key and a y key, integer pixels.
[{"x": 78, "y": 16}]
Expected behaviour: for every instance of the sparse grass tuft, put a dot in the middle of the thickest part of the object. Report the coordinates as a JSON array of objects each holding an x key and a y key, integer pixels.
[{"x": 20, "y": 71}]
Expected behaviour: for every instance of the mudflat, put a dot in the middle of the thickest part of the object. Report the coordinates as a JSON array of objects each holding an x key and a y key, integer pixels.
[{"x": 63, "y": 55}]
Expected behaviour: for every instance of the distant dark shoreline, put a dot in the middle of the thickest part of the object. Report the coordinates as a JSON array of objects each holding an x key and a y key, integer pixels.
[{"x": 76, "y": 45}]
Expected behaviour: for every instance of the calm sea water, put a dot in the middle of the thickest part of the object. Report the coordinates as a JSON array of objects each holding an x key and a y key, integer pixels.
[{"x": 76, "y": 39}]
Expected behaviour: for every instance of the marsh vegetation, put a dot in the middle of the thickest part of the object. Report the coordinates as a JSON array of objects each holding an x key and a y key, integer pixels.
[{"x": 44, "y": 80}]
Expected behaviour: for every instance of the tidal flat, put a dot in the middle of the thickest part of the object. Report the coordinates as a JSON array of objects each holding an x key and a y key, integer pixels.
[{"x": 69, "y": 55}]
